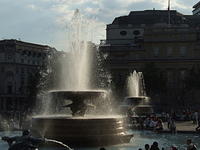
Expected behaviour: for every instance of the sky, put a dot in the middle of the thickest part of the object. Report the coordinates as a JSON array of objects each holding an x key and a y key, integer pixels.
[{"x": 46, "y": 21}]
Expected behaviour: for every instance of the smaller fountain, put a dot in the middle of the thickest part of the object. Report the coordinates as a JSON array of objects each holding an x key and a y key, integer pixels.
[{"x": 136, "y": 101}]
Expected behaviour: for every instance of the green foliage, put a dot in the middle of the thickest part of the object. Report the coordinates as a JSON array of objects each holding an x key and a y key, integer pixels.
[
  {"x": 44, "y": 77},
  {"x": 49, "y": 74},
  {"x": 103, "y": 77},
  {"x": 33, "y": 82}
]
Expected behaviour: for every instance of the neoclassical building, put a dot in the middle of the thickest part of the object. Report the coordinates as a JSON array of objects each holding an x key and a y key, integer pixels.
[
  {"x": 167, "y": 39},
  {"x": 19, "y": 63},
  {"x": 196, "y": 10}
]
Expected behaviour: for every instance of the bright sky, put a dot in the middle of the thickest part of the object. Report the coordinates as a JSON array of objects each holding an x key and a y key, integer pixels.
[{"x": 45, "y": 21}]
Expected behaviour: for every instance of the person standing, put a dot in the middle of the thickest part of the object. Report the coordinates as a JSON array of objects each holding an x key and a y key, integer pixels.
[
  {"x": 154, "y": 146},
  {"x": 196, "y": 117},
  {"x": 147, "y": 147},
  {"x": 172, "y": 126},
  {"x": 190, "y": 145}
]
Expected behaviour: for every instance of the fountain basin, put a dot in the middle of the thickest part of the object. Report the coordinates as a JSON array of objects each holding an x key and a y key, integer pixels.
[
  {"x": 74, "y": 95},
  {"x": 136, "y": 100},
  {"x": 81, "y": 100},
  {"x": 138, "y": 105},
  {"x": 82, "y": 131}
]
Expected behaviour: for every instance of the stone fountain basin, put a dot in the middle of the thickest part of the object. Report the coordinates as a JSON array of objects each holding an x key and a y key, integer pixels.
[
  {"x": 136, "y": 100},
  {"x": 84, "y": 131},
  {"x": 82, "y": 94}
]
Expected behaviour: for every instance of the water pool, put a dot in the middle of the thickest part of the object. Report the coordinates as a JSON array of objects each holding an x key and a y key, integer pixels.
[{"x": 140, "y": 138}]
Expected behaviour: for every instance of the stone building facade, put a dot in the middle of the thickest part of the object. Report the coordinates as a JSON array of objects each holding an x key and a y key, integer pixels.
[
  {"x": 19, "y": 63},
  {"x": 146, "y": 37},
  {"x": 196, "y": 10}
]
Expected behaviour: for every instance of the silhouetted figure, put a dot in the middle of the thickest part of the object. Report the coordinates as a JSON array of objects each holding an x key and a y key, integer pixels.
[
  {"x": 159, "y": 125},
  {"x": 102, "y": 148},
  {"x": 147, "y": 147},
  {"x": 172, "y": 126},
  {"x": 198, "y": 125},
  {"x": 154, "y": 146},
  {"x": 24, "y": 142},
  {"x": 173, "y": 148},
  {"x": 190, "y": 145}
]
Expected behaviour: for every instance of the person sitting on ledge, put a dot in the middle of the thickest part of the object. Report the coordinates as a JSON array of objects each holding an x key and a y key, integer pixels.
[
  {"x": 159, "y": 125},
  {"x": 24, "y": 142}
]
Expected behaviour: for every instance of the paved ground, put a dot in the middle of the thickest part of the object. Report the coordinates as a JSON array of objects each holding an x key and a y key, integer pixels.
[{"x": 183, "y": 126}]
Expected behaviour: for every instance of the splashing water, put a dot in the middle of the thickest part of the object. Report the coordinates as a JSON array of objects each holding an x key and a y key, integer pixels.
[
  {"x": 76, "y": 67},
  {"x": 58, "y": 142},
  {"x": 135, "y": 84}
]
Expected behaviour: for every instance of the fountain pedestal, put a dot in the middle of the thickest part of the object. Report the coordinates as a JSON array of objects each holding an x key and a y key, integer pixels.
[
  {"x": 79, "y": 131},
  {"x": 139, "y": 104}
]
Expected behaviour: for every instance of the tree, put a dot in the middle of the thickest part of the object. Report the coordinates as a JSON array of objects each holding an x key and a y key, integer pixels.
[{"x": 102, "y": 75}]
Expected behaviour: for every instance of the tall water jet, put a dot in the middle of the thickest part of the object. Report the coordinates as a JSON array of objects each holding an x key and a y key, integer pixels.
[
  {"x": 135, "y": 84},
  {"x": 76, "y": 67}
]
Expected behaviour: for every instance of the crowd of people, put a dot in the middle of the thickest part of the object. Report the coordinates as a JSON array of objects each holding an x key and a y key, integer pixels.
[
  {"x": 155, "y": 122},
  {"x": 155, "y": 146}
]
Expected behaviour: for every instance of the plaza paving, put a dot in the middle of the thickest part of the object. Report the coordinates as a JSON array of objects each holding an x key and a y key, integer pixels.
[{"x": 183, "y": 127}]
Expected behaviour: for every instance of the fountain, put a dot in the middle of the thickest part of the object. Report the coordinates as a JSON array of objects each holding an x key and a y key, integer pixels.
[
  {"x": 136, "y": 100},
  {"x": 81, "y": 129},
  {"x": 86, "y": 125}
]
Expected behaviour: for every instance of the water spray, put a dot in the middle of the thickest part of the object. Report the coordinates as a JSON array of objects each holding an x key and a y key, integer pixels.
[{"x": 58, "y": 142}]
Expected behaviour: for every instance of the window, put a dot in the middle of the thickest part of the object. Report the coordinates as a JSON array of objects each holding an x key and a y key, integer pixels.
[
  {"x": 9, "y": 89},
  {"x": 34, "y": 54},
  {"x": 22, "y": 60},
  {"x": 182, "y": 51},
  {"x": 169, "y": 51},
  {"x": 137, "y": 56},
  {"x": 170, "y": 78},
  {"x": 17, "y": 70},
  {"x": 2, "y": 69},
  {"x": 29, "y": 53},
  {"x": 123, "y": 33},
  {"x": 24, "y": 53},
  {"x": 22, "y": 70},
  {"x": 9, "y": 56},
  {"x": 156, "y": 51},
  {"x": 183, "y": 74},
  {"x": 136, "y": 32}
]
